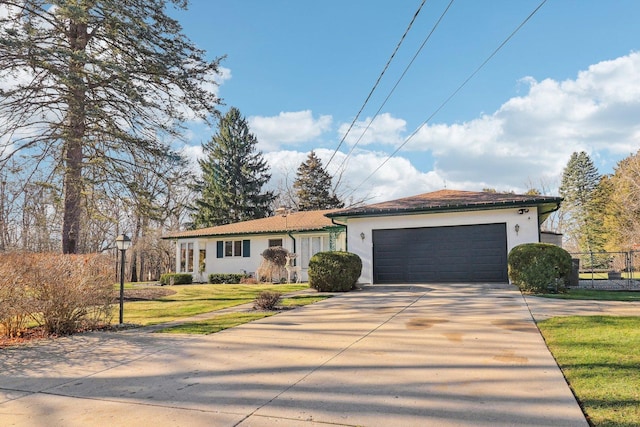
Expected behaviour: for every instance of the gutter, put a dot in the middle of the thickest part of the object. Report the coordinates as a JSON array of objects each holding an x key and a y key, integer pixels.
[
  {"x": 378, "y": 212},
  {"x": 544, "y": 215}
]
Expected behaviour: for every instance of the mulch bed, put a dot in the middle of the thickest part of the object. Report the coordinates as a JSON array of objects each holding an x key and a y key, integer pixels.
[{"x": 25, "y": 336}]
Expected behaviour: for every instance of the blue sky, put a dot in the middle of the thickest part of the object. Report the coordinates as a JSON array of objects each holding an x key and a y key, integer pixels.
[{"x": 569, "y": 80}]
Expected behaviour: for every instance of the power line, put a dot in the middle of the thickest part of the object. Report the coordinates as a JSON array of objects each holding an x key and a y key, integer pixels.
[
  {"x": 415, "y": 15},
  {"x": 446, "y": 101},
  {"x": 433, "y": 29}
]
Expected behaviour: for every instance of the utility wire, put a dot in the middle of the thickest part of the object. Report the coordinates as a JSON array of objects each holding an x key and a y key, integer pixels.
[
  {"x": 415, "y": 15},
  {"x": 446, "y": 101},
  {"x": 344, "y": 161}
]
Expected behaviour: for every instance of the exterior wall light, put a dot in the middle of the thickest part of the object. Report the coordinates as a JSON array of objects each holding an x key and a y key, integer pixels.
[
  {"x": 517, "y": 228},
  {"x": 362, "y": 236}
]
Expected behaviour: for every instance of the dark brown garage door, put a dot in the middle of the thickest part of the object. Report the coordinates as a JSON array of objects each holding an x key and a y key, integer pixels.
[{"x": 468, "y": 253}]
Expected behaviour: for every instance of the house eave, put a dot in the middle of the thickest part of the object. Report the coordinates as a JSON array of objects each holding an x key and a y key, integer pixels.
[
  {"x": 364, "y": 213},
  {"x": 253, "y": 233}
]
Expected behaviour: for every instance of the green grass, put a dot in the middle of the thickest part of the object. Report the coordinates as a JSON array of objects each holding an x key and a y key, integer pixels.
[
  {"x": 229, "y": 320},
  {"x": 593, "y": 294},
  {"x": 599, "y": 357},
  {"x": 217, "y": 323},
  {"x": 605, "y": 275},
  {"x": 190, "y": 300}
]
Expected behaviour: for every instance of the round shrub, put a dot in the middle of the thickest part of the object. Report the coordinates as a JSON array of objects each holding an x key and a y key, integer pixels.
[
  {"x": 539, "y": 267},
  {"x": 334, "y": 271},
  {"x": 176, "y": 279}
]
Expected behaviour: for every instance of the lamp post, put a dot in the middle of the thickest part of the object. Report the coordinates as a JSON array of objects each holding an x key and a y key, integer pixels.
[{"x": 122, "y": 243}]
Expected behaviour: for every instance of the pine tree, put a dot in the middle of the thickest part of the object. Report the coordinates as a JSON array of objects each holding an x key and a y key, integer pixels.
[
  {"x": 233, "y": 174},
  {"x": 580, "y": 180},
  {"x": 313, "y": 186},
  {"x": 88, "y": 85}
]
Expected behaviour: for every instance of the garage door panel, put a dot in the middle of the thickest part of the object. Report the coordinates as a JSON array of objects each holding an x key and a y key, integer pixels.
[{"x": 442, "y": 254}]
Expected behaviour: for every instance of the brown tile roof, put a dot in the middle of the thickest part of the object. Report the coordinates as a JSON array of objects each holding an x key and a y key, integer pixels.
[
  {"x": 296, "y": 221},
  {"x": 448, "y": 200}
]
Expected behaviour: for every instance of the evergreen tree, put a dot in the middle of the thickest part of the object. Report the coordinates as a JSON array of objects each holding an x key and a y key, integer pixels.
[
  {"x": 233, "y": 174},
  {"x": 88, "y": 86},
  {"x": 313, "y": 186},
  {"x": 580, "y": 180}
]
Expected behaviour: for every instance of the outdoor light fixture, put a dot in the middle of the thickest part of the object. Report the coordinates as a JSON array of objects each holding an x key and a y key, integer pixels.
[
  {"x": 123, "y": 242},
  {"x": 523, "y": 211},
  {"x": 362, "y": 236},
  {"x": 517, "y": 228}
]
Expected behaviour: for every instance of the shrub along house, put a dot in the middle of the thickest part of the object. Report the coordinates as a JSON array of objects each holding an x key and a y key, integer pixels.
[
  {"x": 237, "y": 248},
  {"x": 443, "y": 236}
]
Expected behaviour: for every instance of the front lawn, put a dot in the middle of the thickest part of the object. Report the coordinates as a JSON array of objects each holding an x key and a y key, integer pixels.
[
  {"x": 229, "y": 320},
  {"x": 599, "y": 357},
  {"x": 595, "y": 294},
  {"x": 189, "y": 300}
]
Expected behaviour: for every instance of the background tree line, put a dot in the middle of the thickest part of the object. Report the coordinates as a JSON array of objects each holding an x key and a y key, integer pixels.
[
  {"x": 601, "y": 212},
  {"x": 93, "y": 96}
]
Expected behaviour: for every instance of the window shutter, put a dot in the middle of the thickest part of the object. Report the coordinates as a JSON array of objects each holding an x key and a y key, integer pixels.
[
  {"x": 246, "y": 248},
  {"x": 219, "y": 249}
]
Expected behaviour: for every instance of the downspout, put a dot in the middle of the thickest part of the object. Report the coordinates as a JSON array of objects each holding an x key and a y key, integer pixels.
[
  {"x": 346, "y": 235},
  {"x": 295, "y": 260}
]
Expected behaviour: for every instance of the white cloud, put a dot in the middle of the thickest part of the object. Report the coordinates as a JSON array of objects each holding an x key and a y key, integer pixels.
[
  {"x": 385, "y": 129},
  {"x": 193, "y": 153},
  {"x": 288, "y": 128},
  {"x": 532, "y": 136},
  {"x": 528, "y": 139},
  {"x": 397, "y": 178}
]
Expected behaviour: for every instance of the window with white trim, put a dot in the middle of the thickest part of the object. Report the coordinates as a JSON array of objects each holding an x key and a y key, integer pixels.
[
  {"x": 183, "y": 257},
  {"x": 309, "y": 246},
  {"x": 233, "y": 248},
  {"x": 275, "y": 242}
]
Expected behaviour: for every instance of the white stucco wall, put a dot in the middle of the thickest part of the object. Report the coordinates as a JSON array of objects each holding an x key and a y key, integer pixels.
[
  {"x": 527, "y": 232},
  {"x": 249, "y": 264}
]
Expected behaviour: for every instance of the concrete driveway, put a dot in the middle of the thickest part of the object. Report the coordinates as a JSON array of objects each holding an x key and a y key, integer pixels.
[{"x": 422, "y": 355}]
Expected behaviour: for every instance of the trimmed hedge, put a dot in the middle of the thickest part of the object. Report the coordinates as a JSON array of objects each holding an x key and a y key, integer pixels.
[
  {"x": 176, "y": 279},
  {"x": 226, "y": 278},
  {"x": 334, "y": 271},
  {"x": 539, "y": 267}
]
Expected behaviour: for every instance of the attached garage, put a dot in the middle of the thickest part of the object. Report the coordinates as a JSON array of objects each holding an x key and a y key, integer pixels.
[
  {"x": 465, "y": 253},
  {"x": 443, "y": 236}
]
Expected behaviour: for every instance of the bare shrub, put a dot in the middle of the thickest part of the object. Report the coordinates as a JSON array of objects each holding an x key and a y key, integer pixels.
[
  {"x": 267, "y": 300},
  {"x": 70, "y": 291},
  {"x": 248, "y": 281},
  {"x": 14, "y": 298},
  {"x": 272, "y": 267}
]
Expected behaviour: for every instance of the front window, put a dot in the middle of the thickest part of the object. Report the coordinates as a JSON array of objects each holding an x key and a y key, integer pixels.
[
  {"x": 233, "y": 248},
  {"x": 275, "y": 242},
  {"x": 202, "y": 260},
  {"x": 183, "y": 257},
  {"x": 309, "y": 246},
  {"x": 190, "y": 257}
]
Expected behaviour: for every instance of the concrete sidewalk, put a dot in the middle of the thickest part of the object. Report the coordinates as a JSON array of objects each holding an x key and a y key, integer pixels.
[{"x": 442, "y": 355}]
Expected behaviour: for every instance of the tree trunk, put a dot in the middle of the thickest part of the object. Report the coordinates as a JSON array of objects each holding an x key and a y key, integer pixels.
[
  {"x": 72, "y": 197},
  {"x": 74, "y": 139},
  {"x": 134, "y": 251}
]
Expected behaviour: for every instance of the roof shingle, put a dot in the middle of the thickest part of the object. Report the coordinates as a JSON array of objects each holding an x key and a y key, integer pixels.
[
  {"x": 446, "y": 200},
  {"x": 296, "y": 221}
]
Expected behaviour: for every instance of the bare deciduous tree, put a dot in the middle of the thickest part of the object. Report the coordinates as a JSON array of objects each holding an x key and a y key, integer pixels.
[{"x": 89, "y": 85}]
